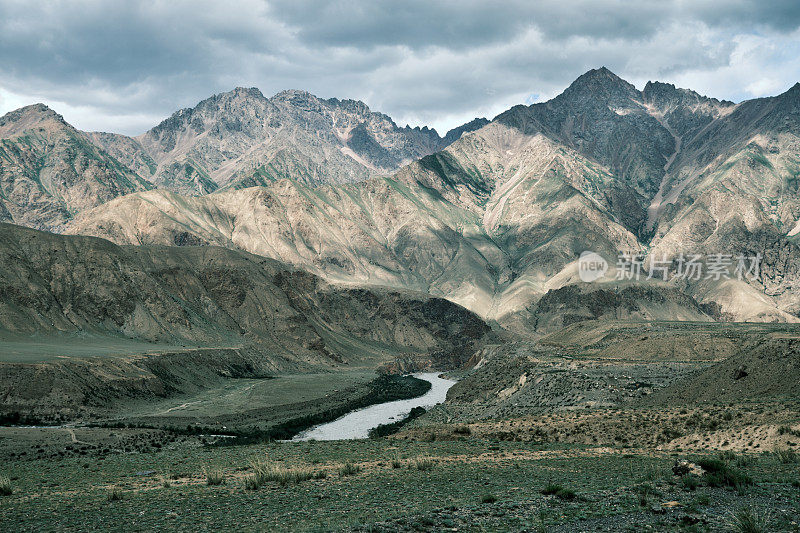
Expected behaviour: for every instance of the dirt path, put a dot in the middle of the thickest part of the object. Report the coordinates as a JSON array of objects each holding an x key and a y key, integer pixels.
[
  {"x": 181, "y": 406},
  {"x": 73, "y": 437},
  {"x": 234, "y": 476}
]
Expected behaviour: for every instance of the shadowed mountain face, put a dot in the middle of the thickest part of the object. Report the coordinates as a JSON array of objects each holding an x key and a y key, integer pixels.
[
  {"x": 499, "y": 217},
  {"x": 492, "y": 241},
  {"x": 636, "y": 134},
  {"x": 71, "y": 287}
]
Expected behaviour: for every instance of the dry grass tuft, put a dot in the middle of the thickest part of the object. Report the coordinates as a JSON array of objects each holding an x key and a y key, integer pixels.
[
  {"x": 214, "y": 476},
  {"x": 265, "y": 471},
  {"x": 423, "y": 463},
  {"x": 748, "y": 521},
  {"x": 6, "y": 489},
  {"x": 349, "y": 469}
]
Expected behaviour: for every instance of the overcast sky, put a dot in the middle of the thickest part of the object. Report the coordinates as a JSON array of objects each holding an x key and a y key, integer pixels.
[{"x": 125, "y": 66}]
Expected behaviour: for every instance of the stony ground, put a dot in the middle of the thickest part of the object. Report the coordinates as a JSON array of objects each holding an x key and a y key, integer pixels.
[
  {"x": 753, "y": 426},
  {"x": 468, "y": 483},
  {"x": 528, "y": 441}
]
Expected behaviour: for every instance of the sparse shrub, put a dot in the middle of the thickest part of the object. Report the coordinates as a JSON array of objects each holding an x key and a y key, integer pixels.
[
  {"x": 114, "y": 495},
  {"x": 488, "y": 498},
  {"x": 462, "y": 430},
  {"x": 214, "y": 477},
  {"x": 566, "y": 494},
  {"x": 265, "y": 471},
  {"x": 727, "y": 456},
  {"x": 712, "y": 465},
  {"x": 690, "y": 482},
  {"x": 349, "y": 469},
  {"x": 785, "y": 455},
  {"x": 552, "y": 489},
  {"x": 6, "y": 489},
  {"x": 423, "y": 463},
  {"x": 252, "y": 482},
  {"x": 718, "y": 473},
  {"x": 748, "y": 521},
  {"x": 396, "y": 462},
  {"x": 669, "y": 434},
  {"x": 643, "y": 493}
]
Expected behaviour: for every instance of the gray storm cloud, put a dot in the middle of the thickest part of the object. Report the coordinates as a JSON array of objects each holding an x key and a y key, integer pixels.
[{"x": 124, "y": 66}]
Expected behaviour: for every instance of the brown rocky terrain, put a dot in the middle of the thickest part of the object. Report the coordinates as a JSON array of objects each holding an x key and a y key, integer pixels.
[
  {"x": 49, "y": 170},
  {"x": 766, "y": 367},
  {"x": 493, "y": 221},
  {"x": 420, "y": 230},
  {"x": 675, "y": 386},
  {"x": 499, "y": 217},
  {"x": 242, "y": 138},
  {"x": 250, "y": 315},
  {"x": 636, "y": 302},
  {"x": 622, "y": 364}
]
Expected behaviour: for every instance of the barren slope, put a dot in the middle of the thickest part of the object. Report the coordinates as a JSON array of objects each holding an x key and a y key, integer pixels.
[{"x": 49, "y": 170}]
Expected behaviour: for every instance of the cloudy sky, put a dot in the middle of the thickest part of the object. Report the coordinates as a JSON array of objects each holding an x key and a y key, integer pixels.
[{"x": 124, "y": 66}]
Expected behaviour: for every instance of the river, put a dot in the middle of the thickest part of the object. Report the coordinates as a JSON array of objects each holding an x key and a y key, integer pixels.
[{"x": 356, "y": 424}]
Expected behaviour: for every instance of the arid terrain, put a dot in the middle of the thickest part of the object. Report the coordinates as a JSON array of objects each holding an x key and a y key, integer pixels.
[
  {"x": 571, "y": 432},
  {"x": 177, "y": 307}
]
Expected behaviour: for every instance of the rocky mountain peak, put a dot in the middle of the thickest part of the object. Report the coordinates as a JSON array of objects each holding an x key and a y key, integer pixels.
[
  {"x": 236, "y": 101},
  {"x": 786, "y": 115},
  {"x": 28, "y": 117},
  {"x": 456, "y": 133},
  {"x": 353, "y": 106},
  {"x": 241, "y": 138},
  {"x": 253, "y": 92},
  {"x": 660, "y": 88},
  {"x": 49, "y": 170},
  {"x": 793, "y": 93},
  {"x": 601, "y": 86},
  {"x": 662, "y": 94},
  {"x": 294, "y": 93},
  {"x": 297, "y": 98}
]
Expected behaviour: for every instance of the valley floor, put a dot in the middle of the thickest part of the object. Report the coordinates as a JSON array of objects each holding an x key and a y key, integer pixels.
[
  {"x": 467, "y": 483},
  {"x": 578, "y": 431}
]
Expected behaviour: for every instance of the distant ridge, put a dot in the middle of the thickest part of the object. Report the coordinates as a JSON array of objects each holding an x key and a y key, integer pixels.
[{"x": 498, "y": 218}]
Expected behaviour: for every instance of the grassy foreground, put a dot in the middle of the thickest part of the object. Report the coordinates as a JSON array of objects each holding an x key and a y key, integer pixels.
[{"x": 467, "y": 483}]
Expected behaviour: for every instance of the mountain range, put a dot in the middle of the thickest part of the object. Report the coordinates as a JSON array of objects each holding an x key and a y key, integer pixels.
[
  {"x": 493, "y": 216},
  {"x": 233, "y": 140}
]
